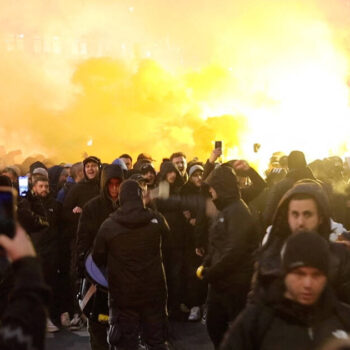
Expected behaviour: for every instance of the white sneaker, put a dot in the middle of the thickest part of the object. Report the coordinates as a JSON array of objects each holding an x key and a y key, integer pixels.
[
  {"x": 50, "y": 327},
  {"x": 65, "y": 320},
  {"x": 195, "y": 314}
]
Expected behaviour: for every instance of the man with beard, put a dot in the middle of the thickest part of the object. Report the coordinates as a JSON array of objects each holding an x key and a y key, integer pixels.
[
  {"x": 298, "y": 170},
  {"x": 305, "y": 207},
  {"x": 179, "y": 160},
  {"x": 94, "y": 213},
  {"x": 38, "y": 213},
  {"x": 228, "y": 266}
]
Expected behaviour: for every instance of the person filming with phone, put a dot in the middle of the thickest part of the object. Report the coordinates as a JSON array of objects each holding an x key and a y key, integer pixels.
[{"x": 23, "y": 320}]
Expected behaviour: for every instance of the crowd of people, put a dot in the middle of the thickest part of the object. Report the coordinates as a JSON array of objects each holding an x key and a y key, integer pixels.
[{"x": 262, "y": 261}]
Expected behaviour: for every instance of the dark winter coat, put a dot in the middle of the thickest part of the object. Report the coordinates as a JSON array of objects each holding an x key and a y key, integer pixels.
[
  {"x": 232, "y": 237},
  {"x": 62, "y": 193},
  {"x": 129, "y": 244},
  {"x": 23, "y": 325},
  {"x": 269, "y": 258},
  {"x": 40, "y": 218},
  {"x": 173, "y": 215},
  {"x": 285, "y": 324},
  {"x": 54, "y": 176},
  {"x": 96, "y": 211},
  {"x": 279, "y": 189},
  {"x": 78, "y": 196}
]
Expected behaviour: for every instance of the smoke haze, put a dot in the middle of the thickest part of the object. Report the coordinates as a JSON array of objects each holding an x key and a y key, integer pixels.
[{"x": 109, "y": 77}]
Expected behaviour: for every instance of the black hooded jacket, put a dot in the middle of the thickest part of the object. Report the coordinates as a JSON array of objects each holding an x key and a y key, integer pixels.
[
  {"x": 280, "y": 323},
  {"x": 173, "y": 215},
  {"x": 279, "y": 189},
  {"x": 269, "y": 258},
  {"x": 232, "y": 237},
  {"x": 96, "y": 211},
  {"x": 54, "y": 176},
  {"x": 40, "y": 218},
  {"x": 78, "y": 196},
  {"x": 129, "y": 244}
]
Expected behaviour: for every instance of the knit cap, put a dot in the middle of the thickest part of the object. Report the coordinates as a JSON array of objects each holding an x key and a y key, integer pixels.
[{"x": 305, "y": 249}]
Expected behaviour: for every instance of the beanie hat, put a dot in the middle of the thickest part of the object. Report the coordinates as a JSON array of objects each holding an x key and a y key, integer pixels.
[
  {"x": 296, "y": 160},
  {"x": 192, "y": 169},
  {"x": 146, "y": 167},
  {"x": 41, "y": 171},
  {"x": 92, "y": 159},
  {"x": 305, "y": 249}
]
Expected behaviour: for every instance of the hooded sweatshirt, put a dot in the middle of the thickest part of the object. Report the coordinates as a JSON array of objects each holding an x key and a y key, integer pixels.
[
  {"x": 97, "y": 210},
  {"x": 129, "y": 244},
  {"x": 79, "y": 195},
  {"x": 232, "y": 236},
  {"x": 269, "y": 259}
]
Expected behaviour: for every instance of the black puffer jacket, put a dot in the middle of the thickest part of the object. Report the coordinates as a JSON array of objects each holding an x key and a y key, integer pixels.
[
  {"x": 285, "y": 324},
  {"x": 96, "y": 211},
  {"x": 129, "y": 244},
  {"x": 40, "y": 218},
  {"x": 232, "y": 237},
  {"x": 269, "y": 258}
]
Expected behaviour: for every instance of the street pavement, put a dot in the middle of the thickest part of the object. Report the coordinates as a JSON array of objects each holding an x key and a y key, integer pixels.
[{"x": 183, "y": 336}]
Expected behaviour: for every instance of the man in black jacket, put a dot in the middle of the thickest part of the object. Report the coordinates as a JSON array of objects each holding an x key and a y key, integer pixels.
[
  {"x": 304, "y": 207},
  {"x": 169, "y": 178},
  {"x": 301, "y": 312},
  {"x": 95, "y": 212},
  {"x": 298, "y": 170},
  {"x": 228, "y": 267},
  {"x": 82, "y": 192},
  {"x": 129, "y": 244},
  {"x": 38, "y": 213}
]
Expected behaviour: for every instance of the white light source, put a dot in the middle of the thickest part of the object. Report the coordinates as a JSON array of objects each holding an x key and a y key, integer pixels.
[{"x": 90, "y": 142}]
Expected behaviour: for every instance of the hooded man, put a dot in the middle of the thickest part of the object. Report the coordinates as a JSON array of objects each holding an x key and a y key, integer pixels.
[
  {"x": 228, "y": 266},
  {"x": 95, "y": 212},
  {"x": 298, "y": 170},
  {"x": 301, "y": 312},
  {"x": 82, "y": 192},
  {"x": 129, "y": 245},
  {"x": 170, "y": 181},
  {"x": 304, "y": 207},
  {"x": 57, "y": 177}
]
